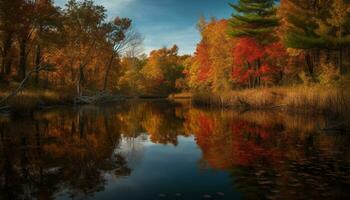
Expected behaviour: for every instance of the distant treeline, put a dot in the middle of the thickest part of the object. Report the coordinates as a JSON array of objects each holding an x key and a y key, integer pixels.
[{"x": 263, "y": 44}]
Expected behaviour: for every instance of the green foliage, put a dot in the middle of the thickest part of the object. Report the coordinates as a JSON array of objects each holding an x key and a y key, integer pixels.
[
  {"x": 319, "y": 28},
  {"x": 254, "y": 18},
  {"x": 318, "y": 25}
]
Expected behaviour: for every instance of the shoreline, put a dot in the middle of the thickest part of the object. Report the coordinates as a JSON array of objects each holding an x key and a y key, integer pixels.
[
  {"x": 336, "y": 123},
  {"x": 343, "y": 124},
  {"x": 298, "y": 99},
  {"x": 301, "y": 99}
]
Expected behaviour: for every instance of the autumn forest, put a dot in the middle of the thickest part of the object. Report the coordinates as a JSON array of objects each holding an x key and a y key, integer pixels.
[
  {"x": 57, "y": 55},
  {"x": 246, "y": 99}
]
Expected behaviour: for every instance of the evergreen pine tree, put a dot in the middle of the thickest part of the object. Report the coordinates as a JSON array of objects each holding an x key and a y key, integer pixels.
[
  {"x": 304, "y": 19},
  {"x": 254, "y": 18},
  {"x": 318, "y": 27}
]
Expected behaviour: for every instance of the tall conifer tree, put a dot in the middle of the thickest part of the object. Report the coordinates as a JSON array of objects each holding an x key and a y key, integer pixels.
[
  {"x": 254, "y": 18},
  {"x": 254, "y": 21},
  {"x": 318, "y": 27}
]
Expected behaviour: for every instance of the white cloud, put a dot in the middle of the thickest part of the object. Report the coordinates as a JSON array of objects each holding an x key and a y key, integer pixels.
[{"x": 186, "y": 38}]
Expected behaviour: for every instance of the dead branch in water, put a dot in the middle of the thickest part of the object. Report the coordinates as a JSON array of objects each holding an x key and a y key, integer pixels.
[
  {"x": 21, "y": 85},
  {"x": 100, "y": 97}
]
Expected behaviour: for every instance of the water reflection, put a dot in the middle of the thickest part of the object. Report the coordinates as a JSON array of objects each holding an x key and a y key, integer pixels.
[
  {"x": 152, "y": 150},
  {"x": 55, "y": 151},
  {"x": 275, "y": 156}
]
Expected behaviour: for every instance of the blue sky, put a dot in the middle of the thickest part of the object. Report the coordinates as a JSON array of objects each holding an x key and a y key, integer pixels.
[{"x": 166, "y": 22}]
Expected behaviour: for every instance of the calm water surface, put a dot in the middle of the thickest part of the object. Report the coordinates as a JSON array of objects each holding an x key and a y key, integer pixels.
[{"x": 161, "y": 150}]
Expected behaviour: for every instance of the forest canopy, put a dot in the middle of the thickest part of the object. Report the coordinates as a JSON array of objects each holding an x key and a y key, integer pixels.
[{"x": 76, "y": 50}]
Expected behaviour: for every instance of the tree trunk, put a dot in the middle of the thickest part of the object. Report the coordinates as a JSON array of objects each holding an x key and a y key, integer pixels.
[
  {"x": 6, "y": 60},
  {"x": 341, "y": 68},
  {"x": 46, "y": 80},
  {"x": 8, "y": 65},
  {"x": 22, "y": 59},
  {"x": 258, "y": 68},
  {"x": 37, "y": 64},
  {"x": 2, "y": 70},
  {"x": 309, "y": 64},
  {"x": 109, "y": 66},
  {"x": 80, "y": 81}
]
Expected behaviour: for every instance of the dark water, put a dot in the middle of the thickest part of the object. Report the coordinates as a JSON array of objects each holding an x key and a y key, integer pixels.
[{"x": 161, "y": 150}]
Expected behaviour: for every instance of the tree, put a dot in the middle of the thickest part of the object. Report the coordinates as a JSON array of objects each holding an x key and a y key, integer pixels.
[
  {"x": 255, "y": 19},
  {"x": 76, "y": 43},
  {"x": 270, "y": 58},
  {"x": 162, "y": 70},
  {"x": 253, "y": 25},
  {"x": 246, "y": 52},
  {"x": 339, "y": 22},
  {"x": 131, "y": 80},
  {"x": 48, "y": 28},
  {"x": 8, "y": 28},
  {"x": 84, "y": 29},
  {"x": 317, "y": 28},
  {"x": 213, "y": 59},
  {"x": 121, "y": 38}
]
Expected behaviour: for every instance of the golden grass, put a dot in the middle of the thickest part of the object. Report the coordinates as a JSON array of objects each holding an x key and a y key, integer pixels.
[
  {"x": 30, "y": 99},
  {"x": 315, "y": 99},
  {"x": 183, "y": 95}
]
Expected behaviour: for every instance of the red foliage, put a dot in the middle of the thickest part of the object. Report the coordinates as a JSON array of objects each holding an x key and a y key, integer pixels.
[
  {"x": 185, "y": 72},
  {"x": 247, "y": 144},
  {"x": 247, "y": 50},
  {"x": 250, "y": 144},
  {"x": 207, "y": 125},
  {"x": 275, "y": 51},
  {"x": 202, "y": 56},
  {"x": 247, "y": 53}
]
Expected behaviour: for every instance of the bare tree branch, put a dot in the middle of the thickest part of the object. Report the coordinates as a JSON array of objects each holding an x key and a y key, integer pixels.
[{"x": 20, "y": 86}]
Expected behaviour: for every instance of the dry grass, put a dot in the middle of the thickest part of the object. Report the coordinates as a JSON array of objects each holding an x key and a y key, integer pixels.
[
  {"x": 183, "y": 95},
  {"x": 314, "y": 99},
  {"x": 31, "y": 99}
]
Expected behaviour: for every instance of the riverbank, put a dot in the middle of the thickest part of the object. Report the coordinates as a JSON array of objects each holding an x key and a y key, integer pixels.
[
  {"x": 304, "y": 99},
  {"x": 30, "y": 100}
]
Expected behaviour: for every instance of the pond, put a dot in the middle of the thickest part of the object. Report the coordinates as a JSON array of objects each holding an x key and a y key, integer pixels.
[{"x": 162, "y": 150}]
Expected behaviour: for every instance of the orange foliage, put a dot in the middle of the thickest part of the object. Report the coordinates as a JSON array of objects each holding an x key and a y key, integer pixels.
[
  {"x": 248, "y": 61},
  {"x": 202, "y": 56},
  {"x": 212, "y": 55}
]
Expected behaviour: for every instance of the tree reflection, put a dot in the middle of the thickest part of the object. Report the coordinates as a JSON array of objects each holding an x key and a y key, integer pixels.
[
  {"x": 71, "y": 151},
  {"x": 160, "y": 120},
  {"x": 59, "y": 151},
  {"x": 272, "y": 155},
  {"x": 268, "y": 155}
]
